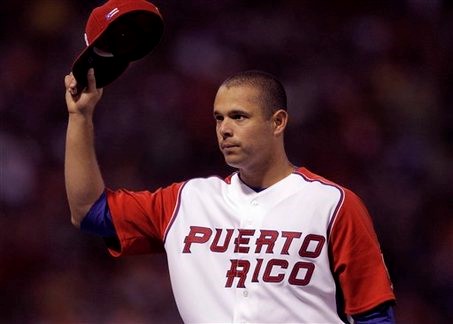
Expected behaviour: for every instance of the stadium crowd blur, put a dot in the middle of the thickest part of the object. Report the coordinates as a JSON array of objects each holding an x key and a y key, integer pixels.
[{"x": 370, "y": 88}]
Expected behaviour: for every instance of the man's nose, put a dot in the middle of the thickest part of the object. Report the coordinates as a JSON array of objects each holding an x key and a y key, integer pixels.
[{"x": 225, "y": 129}]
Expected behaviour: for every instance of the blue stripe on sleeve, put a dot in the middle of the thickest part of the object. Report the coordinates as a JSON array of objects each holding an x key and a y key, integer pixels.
[
  {"x": 382, "y": 314},
  {"x": 98, "y": 220}
]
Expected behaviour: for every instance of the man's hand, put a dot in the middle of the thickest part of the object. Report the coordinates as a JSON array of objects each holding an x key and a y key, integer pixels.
[{"x": 82, "y": 102}]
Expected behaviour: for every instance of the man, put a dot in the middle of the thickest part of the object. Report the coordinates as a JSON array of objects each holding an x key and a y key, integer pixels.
[{"x": 271, "y": 243}]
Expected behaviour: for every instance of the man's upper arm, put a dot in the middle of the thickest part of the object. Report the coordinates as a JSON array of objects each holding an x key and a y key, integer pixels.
[
  {"x": 140, "y": 218},
  {"x": 98, "y": 220},
  {"x": 132, "y": 222},
  {"x": 357, "y": 259}
]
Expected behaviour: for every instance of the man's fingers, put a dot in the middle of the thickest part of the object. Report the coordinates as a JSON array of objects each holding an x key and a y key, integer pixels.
[
  {"x": 70, "y": 84},
  {"x": 91, "y": 80},
  {"x": 74, "y": 89}
]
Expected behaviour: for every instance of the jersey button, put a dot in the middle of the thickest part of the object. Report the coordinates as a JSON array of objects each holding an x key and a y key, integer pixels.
[
  {"x": 245, "y": 293},
  {"x": 254, "y": 203}
]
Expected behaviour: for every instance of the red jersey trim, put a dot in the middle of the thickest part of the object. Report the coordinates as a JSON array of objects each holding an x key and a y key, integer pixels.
[
  {"x": 228, "y": 179},
  {"x": 175, "y": 212},
  {"x": 311, "y": 177}
]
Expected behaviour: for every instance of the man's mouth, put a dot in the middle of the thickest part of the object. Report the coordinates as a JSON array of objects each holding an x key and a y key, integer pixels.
[{"x": 226, "y": 146}]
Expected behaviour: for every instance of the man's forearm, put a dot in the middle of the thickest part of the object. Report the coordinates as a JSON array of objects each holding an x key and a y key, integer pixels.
[{"x": 84, "y": 183}]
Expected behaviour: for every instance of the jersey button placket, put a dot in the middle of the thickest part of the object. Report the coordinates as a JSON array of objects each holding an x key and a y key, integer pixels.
[
  {"x": 242, "y": 310},
  {"x": 249, "y": 221},
  {"x": 242, "y": 305}
]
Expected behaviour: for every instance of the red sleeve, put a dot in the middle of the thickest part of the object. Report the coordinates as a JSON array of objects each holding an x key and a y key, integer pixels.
[
  {"x": 358, "y": 264},
  {"x": 141, "y": 218}
]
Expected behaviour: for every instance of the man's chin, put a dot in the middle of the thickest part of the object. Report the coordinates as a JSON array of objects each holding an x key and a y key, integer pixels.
[{"x": 233, "y": 162}]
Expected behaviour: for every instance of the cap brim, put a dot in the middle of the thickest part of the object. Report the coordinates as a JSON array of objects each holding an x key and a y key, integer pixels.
[
  {"x": 106, "y": 69},
  {"x": 128, "y": 38}
]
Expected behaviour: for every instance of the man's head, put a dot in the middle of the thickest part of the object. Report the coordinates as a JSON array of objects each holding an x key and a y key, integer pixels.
[
  {"x": 250, "y": 113},
  {"x": 272, "y": 92}
]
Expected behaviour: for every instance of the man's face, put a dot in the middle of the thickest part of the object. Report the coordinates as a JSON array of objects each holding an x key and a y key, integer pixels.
[{"x": 244, "y": 133}]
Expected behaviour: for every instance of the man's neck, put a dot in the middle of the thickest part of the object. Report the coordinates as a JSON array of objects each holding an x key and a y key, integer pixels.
[{"x": 267, "y": 176}]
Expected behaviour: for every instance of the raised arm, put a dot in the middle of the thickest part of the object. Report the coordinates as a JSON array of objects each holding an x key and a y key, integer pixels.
[{"x": 83, "y": 179}]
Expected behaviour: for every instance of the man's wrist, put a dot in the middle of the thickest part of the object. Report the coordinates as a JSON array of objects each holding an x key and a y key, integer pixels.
[{"x": 80, "y": 116}]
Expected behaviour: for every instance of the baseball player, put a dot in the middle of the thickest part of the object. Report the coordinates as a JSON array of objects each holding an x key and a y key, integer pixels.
[{"x": 271, "y": 243}]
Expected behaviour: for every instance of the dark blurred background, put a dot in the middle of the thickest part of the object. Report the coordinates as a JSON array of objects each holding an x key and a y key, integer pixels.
[{"x": 370, "y": 88}]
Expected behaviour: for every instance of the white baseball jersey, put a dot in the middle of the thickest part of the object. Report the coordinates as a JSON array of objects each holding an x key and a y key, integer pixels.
[{"x": 303, "y": 250}]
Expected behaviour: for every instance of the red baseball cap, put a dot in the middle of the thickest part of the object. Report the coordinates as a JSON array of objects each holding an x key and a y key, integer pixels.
[{"x": 117, "y": 33}]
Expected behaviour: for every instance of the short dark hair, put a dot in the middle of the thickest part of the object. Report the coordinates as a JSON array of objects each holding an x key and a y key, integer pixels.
[{"x": 273, "y": 94}]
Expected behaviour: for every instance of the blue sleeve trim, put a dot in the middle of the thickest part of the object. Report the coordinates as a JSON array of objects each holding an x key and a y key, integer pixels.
[
  {"x": 382, "y": 314},
  {"x": 98, "y": 220}
]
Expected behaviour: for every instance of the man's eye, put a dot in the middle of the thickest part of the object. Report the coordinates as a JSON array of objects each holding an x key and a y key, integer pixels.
[
  {"x": 238, "y": 117},
  {"x": 218, "y": 118}
]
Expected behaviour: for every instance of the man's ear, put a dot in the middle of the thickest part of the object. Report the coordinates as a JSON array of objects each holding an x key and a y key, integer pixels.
[{"x": 280, "y": 120}]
